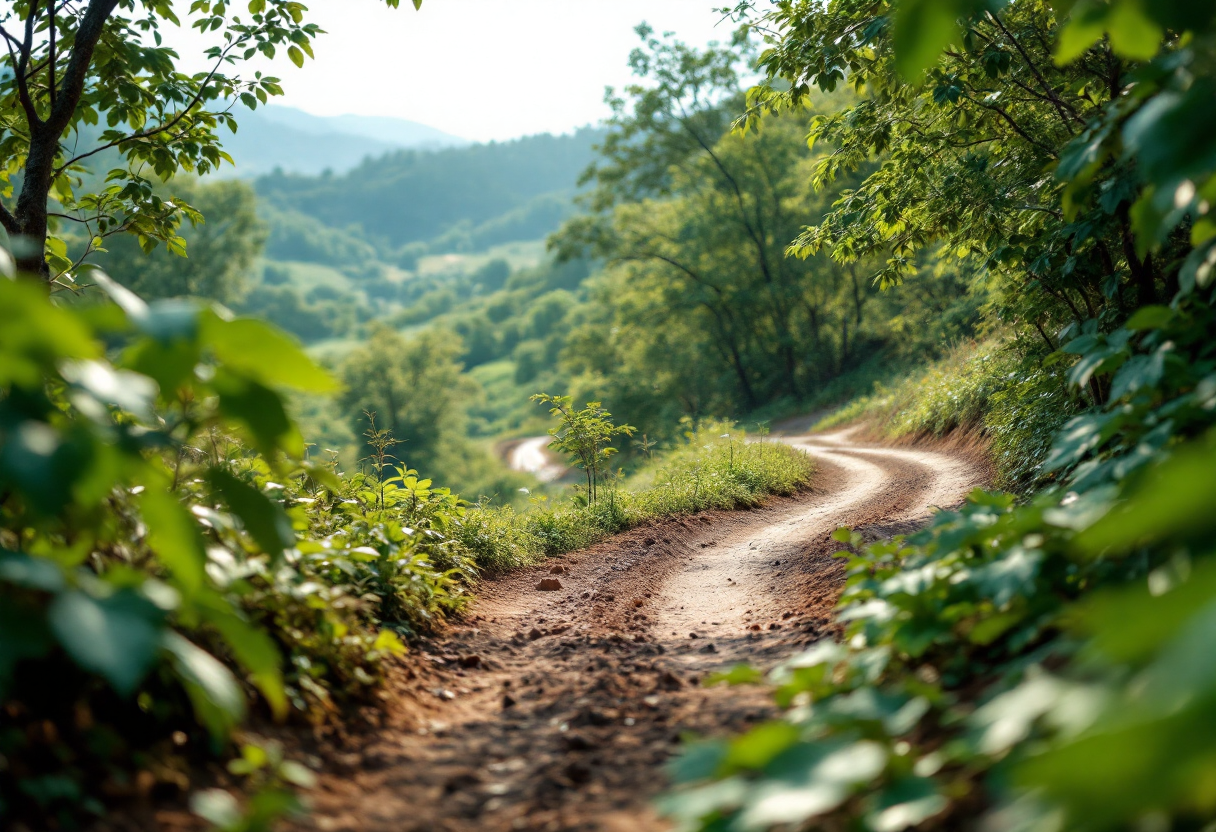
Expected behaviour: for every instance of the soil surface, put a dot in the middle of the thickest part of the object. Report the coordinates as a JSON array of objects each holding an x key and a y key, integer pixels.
[{"x": 558, "y": 709}]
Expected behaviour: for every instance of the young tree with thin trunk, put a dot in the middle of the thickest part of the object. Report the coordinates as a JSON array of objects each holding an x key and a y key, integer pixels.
[{"x": 89, "y": 82}]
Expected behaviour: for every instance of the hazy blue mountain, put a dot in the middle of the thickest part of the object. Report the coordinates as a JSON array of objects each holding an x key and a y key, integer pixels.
[
  {"x": 294, "y": 141},
  {"x": 393, "y": 132}
]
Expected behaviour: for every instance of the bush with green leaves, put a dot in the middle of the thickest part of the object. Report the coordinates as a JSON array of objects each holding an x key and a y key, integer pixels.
[
  {"x": 585, "y": 435},
  {"x": 166, "y": 554}
]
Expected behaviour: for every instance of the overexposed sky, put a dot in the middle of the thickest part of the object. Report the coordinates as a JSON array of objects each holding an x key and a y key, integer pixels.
[{"x": 481, "y": 69}]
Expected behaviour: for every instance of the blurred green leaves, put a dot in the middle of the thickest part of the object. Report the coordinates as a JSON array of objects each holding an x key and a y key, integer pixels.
[
  {"x": 153, "y": 491},
  {"x": 115, "y": 635},
  {"x": 924, "y": 28},
  {"x": 266, "y": 522},
  {"x": 261, "y": 352}
]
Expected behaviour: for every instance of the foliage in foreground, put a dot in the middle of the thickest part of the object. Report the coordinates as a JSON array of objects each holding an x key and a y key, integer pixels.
[
  {"x": 1051, "y": 656},
  {"x": 166, "y": 555},
  {"x": 1040, "y": 665},
  {"x": 712, "y": 467}
]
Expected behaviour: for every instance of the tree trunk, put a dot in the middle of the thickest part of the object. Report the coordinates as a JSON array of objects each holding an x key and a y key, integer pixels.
[
  {"x": 844, "y": 342},
  {"x": 31, "y": 214},
  {"x": 29, "y": 221}
]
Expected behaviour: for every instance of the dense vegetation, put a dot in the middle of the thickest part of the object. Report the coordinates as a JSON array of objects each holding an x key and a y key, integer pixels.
[{"x": 1036, "y": 663}]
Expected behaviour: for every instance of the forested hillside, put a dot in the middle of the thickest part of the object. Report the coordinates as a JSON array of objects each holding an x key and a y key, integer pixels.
[{"x": 474, "y": 196}]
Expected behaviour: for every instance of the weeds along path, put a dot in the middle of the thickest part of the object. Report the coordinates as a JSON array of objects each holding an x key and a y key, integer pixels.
[{"x": 557, "y": 710}]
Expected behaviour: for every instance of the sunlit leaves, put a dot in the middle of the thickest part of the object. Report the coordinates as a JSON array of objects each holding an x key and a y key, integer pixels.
[
  {"x": 924, "y": 28},
  {"x": 264, "y": 520},
  {"x": 267, "y": 354},
  {"x": 1132, "y": 29},
  {"x": 218, "y": 700}
]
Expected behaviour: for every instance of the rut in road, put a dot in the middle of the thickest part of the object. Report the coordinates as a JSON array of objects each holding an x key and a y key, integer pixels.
[{"x": 558, "y": 710}]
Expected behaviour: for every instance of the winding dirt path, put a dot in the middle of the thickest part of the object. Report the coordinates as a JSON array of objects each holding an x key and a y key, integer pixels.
[
  {"x": 531, "y": 456},
  {"x": 557, "y": 710}
]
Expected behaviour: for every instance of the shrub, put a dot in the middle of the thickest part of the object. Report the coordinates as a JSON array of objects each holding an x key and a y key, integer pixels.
[{"x": 166, "y": 556}]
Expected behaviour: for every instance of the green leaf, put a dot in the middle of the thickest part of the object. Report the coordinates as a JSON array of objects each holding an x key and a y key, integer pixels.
[
  {"x": 174, "y": 537},
  {"x": 809, "y": 780},
  {"x": 259, "y": 350},
  {"x": 261, "y": 410},
  {"x": 214, "y": 693},
  {"x": 34, "y": 333},
  {"x": 1133, "y": 33},
  {"x": 922, "y": 29},
  {"x": 218, "y": 807},
  {"x": 1175, "y": 499},
  {"x": 117, "y": 637},
  {"x": 1150, "y": 317},
  {"x": 740, "y": 674},
  {"x": 907, "y": 802},
  {"x": 297, "y": 57},
  {"x": 31, "y": 572},
  {"x": 760, "y": 745},
  {"x": 1085, "y": 27},
  {"x": 263, "y": 519},
  {"x": 254, "y": 649}
]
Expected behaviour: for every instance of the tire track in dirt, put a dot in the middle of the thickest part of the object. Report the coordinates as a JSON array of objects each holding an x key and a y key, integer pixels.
[{"x": 557, "y": 710}]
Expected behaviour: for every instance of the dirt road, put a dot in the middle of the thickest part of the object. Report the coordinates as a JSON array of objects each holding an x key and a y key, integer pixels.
[
  {"x": 532, "y": 457},
  {"x": 557, "y": 710}
]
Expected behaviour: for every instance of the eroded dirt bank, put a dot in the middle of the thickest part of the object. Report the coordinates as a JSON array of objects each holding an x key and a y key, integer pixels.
[{"x": 557, "y": 710}]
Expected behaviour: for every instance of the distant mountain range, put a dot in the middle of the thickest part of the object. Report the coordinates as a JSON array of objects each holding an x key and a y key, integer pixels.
[
  {"x": 452, "y": 199},
  {"x": 284, "y": 138}
]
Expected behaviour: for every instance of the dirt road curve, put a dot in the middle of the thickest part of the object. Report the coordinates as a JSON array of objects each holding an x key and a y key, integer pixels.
[
  {"x": 531, "y": 457},
  {"x": 557, "y": 710}
]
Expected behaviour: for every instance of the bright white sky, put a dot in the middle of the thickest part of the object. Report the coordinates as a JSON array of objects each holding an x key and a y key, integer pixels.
[{"x": 481, "y": 69}]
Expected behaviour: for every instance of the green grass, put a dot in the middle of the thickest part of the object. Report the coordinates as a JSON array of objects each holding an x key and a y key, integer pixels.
[
  {"x": 520, "y": 255},
  {"x": 306, "y": 276},
  {"x": 986, "y": 387},
  {"x": 706, "y": 471}
]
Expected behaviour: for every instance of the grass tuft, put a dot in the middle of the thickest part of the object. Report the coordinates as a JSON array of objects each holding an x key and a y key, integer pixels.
[{"x": 982, "y": 386}]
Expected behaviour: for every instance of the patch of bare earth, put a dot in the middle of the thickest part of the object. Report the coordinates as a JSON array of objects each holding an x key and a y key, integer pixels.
[{"x": 557, "y": 709}]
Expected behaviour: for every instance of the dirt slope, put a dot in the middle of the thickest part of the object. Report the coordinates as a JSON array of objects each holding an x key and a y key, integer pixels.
[{"x": 557, "y": 710}]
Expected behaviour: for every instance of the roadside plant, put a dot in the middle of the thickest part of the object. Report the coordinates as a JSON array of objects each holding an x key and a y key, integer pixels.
[{"x": 584, "y": 436}]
